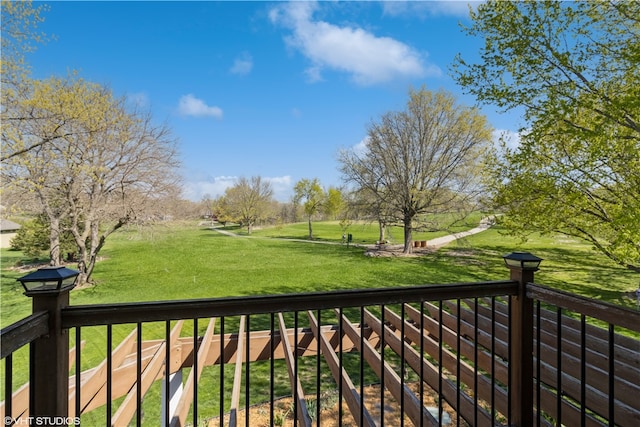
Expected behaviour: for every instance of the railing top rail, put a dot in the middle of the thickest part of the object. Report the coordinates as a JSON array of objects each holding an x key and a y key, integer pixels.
[
  {"x": 602, "y": 310},
  {"x": 103, "y": 314},
  {"x": 23, "y": 332}
]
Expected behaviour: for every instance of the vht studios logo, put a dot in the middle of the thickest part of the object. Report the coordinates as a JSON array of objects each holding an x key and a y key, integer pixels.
[{"x": 41, "y": 421}]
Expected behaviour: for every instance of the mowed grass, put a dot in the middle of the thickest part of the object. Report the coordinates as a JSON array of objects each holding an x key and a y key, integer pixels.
[
  {"x": 364, "y": 232},
  {"x": 185, "y": 261}
]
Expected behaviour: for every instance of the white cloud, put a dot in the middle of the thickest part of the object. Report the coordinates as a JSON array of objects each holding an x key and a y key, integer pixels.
[
  {"x": 243, "y": 64},
  {"x": 369, "y": 59},
  {"x": 214, "y": 188},
  {"x": 429, "y": 8},
  {"x": 195, "y": 190},
  {"x": 361, "y": 147},
  {"x": 282, "y": 187},
  {"x": 189, "y": 105}
]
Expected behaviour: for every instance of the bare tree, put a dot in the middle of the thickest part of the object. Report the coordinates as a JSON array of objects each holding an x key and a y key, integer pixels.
[
  {"x": 423, "y": 160},
  {"x": 247, "y": 202},
  {"x": 108, "y": 167}
]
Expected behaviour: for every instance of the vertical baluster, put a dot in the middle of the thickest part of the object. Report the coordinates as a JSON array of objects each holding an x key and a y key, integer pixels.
[
  {"x": 538, "y": 364},
  {"x": 247, "y": 376},
  {"x": 318, "y": 382},
  {"x": 340, "y": 367},
  {"x": 510, "y": 331},
  {"x": 139, "y": 376},
  {"x": 440, "y": 363},
  {"x": 222, "y": 359},
  {"x": 559, "y": 367},
  {"x": 194, "y": 368},
  {"x": 109, "y": 372},
  {"x": 583, "y": 370},
  {"x": 458, "y": 386},
  {"x": 493, "y": 358},
  {"x": 8, "y": 387},
  {"x": 295, "y": 366},
  {"x": 422, "y": 359},
  {"x": 612, "y": 376},
  {"x": 402, "y": 367},
  {"x": 382, "y": 344},
  {"x": 167, "y": 375},
  {"x": 475, "y": 362},
  {"x": 78, "y": 373},
  {"x": 272, "y": 372},
  {"x": 361, "y": 362}
]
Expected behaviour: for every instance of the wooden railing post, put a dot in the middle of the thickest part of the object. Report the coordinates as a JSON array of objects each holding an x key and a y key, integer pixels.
[
  {"x": 521, "y": 342},
  {"x": 49, "y": 363}
]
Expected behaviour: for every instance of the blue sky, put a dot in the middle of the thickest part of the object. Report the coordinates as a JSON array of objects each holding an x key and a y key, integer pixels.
[{"x": 262, "y": 88}]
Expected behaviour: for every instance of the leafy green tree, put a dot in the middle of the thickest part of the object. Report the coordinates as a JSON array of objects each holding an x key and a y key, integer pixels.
[
  {"x": 312, "y": 196},
  {"x": 33, "y": 239},
  {"x": 335, "y": 203},
  {"x": 425, "y": 159},
  {"x": 572, "y": 68}
]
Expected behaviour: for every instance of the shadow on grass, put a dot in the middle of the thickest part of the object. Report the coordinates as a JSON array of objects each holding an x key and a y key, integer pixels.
[{"x": 579, "y": 271}]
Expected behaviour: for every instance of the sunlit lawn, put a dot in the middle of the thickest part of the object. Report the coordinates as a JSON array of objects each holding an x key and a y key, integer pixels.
[
  {"x": 168, "y": 262},
  {"x": 364, "y": 232},
  {"x": 186, "y": 261}
]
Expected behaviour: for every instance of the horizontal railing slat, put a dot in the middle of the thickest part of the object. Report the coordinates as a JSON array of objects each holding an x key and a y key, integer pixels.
[
  {"x": 601, "y": 310},
  {"x": 457, "y": 369},
  {"x": 103, "y": 314},
  {"x": 23, "y": 332}
]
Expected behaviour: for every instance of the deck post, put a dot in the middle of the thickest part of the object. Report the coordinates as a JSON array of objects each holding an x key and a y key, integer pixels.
[
  {"x": 49, "y": 363},
  {"x": 521, "y": 347}
]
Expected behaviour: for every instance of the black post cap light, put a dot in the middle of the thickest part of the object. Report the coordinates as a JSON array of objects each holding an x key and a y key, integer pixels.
[
  {"x": 49, "y": 280},
  {"x": 522, "y": 260}
]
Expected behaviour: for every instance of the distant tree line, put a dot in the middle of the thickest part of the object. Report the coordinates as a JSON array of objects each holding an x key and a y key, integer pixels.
[{"x": 249, "y": 202}]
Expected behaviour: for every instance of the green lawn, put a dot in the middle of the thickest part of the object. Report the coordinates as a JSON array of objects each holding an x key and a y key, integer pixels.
[
  {"x": 186, "y": 261},
  {"x": 362, "y": 232}
]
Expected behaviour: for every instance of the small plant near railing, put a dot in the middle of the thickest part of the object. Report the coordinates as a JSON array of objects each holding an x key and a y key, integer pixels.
[
  {"x": 328, "y": 401},
  {"x": 312, "y": 407},
  {"x": 280, "y": 417}
]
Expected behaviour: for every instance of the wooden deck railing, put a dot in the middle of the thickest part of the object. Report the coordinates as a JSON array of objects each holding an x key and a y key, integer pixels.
[{"x": 490, "y": 353}]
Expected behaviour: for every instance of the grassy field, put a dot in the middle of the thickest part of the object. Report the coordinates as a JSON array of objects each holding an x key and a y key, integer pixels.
[
  {"x": 184, "y": 261},
  {"x": 363, "y": 233}
]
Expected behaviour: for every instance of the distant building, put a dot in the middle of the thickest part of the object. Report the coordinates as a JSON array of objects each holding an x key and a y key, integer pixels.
[{"x": 8, "y": 230}]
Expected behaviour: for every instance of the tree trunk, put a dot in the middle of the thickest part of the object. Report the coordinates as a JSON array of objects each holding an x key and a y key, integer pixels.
[
  {"x": 310, "y": 229},
  {"x": 408, "y": 230},
  {"x": 382, "y": 233},
  {"x": 55, "y": 257},
  {"x": 83, "y": 259}
]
